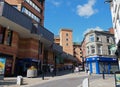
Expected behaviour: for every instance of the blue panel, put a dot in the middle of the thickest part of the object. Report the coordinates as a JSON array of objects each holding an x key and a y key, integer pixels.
[{"x": 97, "y": 68}]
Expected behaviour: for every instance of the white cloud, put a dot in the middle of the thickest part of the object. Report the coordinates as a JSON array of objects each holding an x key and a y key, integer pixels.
[
  {"x": 87, "y": 9},
  {"x": 89, "y": 29},
  {"x": 55, "y": 3}
]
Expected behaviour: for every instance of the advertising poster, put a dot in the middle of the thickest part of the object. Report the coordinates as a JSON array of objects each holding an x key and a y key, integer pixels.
[
  {"x": 2, "y": 67},
  {"x": 117, "y": 80}
]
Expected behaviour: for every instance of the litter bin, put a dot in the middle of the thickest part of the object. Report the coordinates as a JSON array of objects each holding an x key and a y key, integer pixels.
[{"x": 19, "y": 80}]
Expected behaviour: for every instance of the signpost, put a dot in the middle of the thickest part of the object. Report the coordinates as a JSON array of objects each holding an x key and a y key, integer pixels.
[{"x": 2, "y": 67}]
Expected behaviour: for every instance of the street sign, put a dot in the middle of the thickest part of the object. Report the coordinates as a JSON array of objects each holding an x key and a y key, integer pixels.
[{"x": 2, "y": 67}]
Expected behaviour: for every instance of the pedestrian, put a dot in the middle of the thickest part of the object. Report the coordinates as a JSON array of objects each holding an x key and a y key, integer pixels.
[{"x": 51, "y": 70}]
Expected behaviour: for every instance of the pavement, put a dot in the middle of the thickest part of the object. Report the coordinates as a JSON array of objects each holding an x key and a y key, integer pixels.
[{"x": 107, "y": 82}]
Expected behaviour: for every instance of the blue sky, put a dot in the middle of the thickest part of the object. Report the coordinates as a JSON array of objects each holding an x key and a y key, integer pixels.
[{"x": 78, "y": 15}]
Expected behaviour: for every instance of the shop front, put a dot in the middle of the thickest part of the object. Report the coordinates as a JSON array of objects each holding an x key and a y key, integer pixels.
[
  {"x": 100, "y": 64},
  {"x": 23, "y": 64}
]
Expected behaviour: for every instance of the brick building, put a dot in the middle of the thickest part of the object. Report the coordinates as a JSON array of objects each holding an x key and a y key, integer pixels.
[{"x": 24, "y": 41}]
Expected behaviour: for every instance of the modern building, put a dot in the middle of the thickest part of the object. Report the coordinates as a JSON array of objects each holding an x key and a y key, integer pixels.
[
  {"x": 24, "y": 41},
  {"x": 100, "y": 56}
]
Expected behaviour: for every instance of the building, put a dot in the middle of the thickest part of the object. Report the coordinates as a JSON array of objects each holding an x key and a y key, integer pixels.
[
  {"x": 24, "y": 41},
  {"x": 115, "y": 13},
  {"x": 100, "y": 56},
  {"x": 33, "y": 8},
  {"x": 77, "y": 52},
  {"x": 65, "y": 40}
]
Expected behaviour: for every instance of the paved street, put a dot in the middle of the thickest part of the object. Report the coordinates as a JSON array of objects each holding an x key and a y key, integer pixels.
[{"x": 65, "y": 80}]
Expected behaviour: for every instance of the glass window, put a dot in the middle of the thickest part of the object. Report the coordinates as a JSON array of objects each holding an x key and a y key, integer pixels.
[
  {"x": 66, "y": 39},
  {"x": 66, "y": 34},
  {"x": 2, "y": 32},
  {"x": 88, "y": 51},
  {"x": 91, "y": 38},
  {"x": 9, "y": 37},
  {"x": 92, "y": 49},
  {"x": 108, "y": 40},
  {"x": 66, "y": 44},
  {"x": 99, "y": 49}
]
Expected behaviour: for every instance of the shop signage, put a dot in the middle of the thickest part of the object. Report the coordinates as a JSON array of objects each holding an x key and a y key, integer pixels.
[{"x": 2, "y": 67}]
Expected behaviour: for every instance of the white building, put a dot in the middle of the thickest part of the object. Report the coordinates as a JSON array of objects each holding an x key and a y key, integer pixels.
[{"x": 115, "y": 12}]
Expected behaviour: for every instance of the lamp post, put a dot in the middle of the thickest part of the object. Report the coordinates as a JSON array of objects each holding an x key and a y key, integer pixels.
[{"x": 55, "y": 66}]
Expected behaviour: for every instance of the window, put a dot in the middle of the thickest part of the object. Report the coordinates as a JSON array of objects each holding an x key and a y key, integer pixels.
[
  {"x": 92, "y": 49},
  {"x": 2, "y": 33},
  {"x": 108, "y": 40},
  {"x": 30, "y": 14},
  {"x": 66, "y": 44},
  {"x": 91, "y": 38},
  {"x": 9, "y": 37},
  {"x": 109, "y": 51},
  {"x": 98, "y": 38},
  {"x": 88, "y": 51},
  {"x": 99, "y": 49},
  {"x": 66, "y": 34},
  {"x": 66, "y": 39}
]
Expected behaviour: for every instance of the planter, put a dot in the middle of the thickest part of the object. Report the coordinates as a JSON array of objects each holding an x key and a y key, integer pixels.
[{"x": 32, "y": 73}]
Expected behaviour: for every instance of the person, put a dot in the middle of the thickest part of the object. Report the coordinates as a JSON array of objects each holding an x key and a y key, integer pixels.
[
  {"x": 87, "y": 69},
  {"x": 51, "y": 70}
]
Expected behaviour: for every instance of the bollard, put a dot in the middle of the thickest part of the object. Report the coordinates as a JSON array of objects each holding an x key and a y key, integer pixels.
[
  {"x": 89, "y": 73},
  {"x": 19, "y": 80},
  {"x": 103, "y": 75}
]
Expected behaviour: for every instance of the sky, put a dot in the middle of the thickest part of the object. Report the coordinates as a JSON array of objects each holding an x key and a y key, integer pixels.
[{"x": 77, "y": 15}]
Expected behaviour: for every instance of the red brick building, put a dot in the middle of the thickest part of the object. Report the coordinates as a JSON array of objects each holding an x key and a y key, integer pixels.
[{"x": 24, "y": 41}]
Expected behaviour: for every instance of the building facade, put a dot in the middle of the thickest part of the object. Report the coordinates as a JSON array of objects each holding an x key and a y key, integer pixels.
[
  {"x": 99, "y": 54},
  {"x": 65, "y": 40},
  {"x": 115, "y": 13},
  {"x": 24, "y": 41},
  {"x": 77, "y": 52}
]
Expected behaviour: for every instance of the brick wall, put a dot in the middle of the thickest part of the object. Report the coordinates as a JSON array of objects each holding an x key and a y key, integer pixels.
[{"x": 28, "y": 48}]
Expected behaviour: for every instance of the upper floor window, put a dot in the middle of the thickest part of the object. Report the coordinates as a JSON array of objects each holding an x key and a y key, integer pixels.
[
  {"x": 2, "y": 33},
  {"x": 99, "y": 49},
  {"x": 98, "y": 38},
  {"x": 108, "y": 40},
  {"x": 30, "y": 14},
  {"x": 66, "y": 44},
  {"x": 33, "y": 5},
  {"x": 9, "y": 37},
  {"x": 66, "y": 34},
  {"x": 66, "y": 39},
  {"x": 92, "y": 49},
  {"x": 88, "y": 50},
  {"x": 91, "y": 38}
]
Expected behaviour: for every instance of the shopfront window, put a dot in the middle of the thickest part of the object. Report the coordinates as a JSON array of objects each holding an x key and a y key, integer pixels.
[{"x": 8, "y": 67}]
